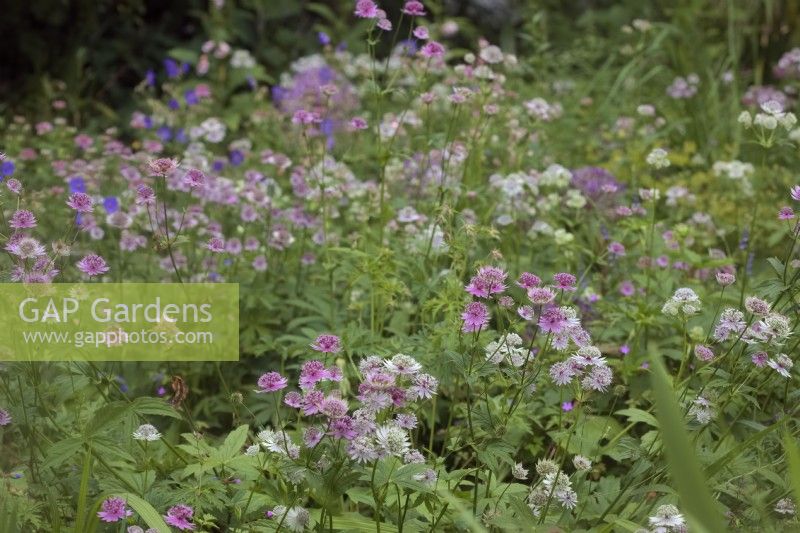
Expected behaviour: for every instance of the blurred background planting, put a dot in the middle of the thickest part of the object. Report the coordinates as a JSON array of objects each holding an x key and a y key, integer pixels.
[{"x": 92, "y": 53}]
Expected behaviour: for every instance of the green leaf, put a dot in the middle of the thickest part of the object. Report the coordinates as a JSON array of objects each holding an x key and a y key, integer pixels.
[
  {"x": 687, "y": 474},
  {"x": 234, "y": 442},
  {"x": 793, "y": 458},
  {"x": 62, "y": 450},
  {"x": 720, "y": 463},
  {"x": 637, "y": 415},
  {"x": 154, "y": 406}
]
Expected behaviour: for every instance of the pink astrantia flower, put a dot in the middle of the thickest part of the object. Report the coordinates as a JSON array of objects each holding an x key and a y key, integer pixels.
[
  {"x": 114, "y": 510},
  {"x": 145, "y": 195},
  {"x": 180, "y": 516},
  {"x": 421, "y": 33},
  {"x": 786, "y": 213},
  {"x": 358, "y": 123},
  {"x": 564, "y": 281},
  {"x": 541, "y": 295},
  {"x": 14, "y": 185},
  {"x": 271, "y": 382},
  {"x": 312, "y": 373},
  {"x": 414, "y": 8},
  {"x": 725, "y": 279},
  {"x": 554, "y": 320},
  {"x": 92, "y": 265},
  {"x": 5, "y": 417},
  {"x": 489, "y": 280},
  {"x": 528, "y": 281},
  {"x": 794, "y": 192},
  {"x": 293, "y": 399},
  {"x": 616, "y": 248},
  {"x": 475, "y": 317},
  {"x": 432, "y": 49},
  {"x": 81, "y": 202},
  {"x": 327, "y": 343},
  {"x": 162, "y": 167},
  {"x": 194, "y": 178},
  {"x": 366, "y": 9},
  {"x": 216, "y": 245},
  {"x": 22, "y": 219}
]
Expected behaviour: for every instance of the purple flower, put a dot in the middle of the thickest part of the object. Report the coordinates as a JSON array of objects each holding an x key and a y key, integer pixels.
[
  {"x": 564, "y": 281},
  {"x": 725, "y": 278},
  {"x": 567, "y": 406},
  {"x": 785, "y": 213},
  {"x": 327, "y": 343},
  {"x": 312, "y": 372},
  {"x": 145, "y": 195},
  {"x": 271, "y": 382},
  {"x": 475, "y": 317},
  {"x": 528, "y": 281},
  {"x": 554, "y": 320},
  {"x": 194, "y": 178},
  {"x": 627, "y": 289},
  {"x": 114, "y": 510},
  {"x": 541, "y": 295},
  {"x": 162, "y": 167},
  {"x": 596, "y": 183},
  {"x": 22, "y": 219},
  {"x": 92, "y": 265},
  {"x": 5, "y": 417},
  {"x": 180, "y": 516},
  {"x": 81, "y": 202},
  {"x": 432, "y": 49},
  {"x": 704, "y": 353},
  {"x": 216, "y": 245},
  {"x": 794, "y": 192},
  {"x": 616, "y": 248},
  {"x": 489, "y": 280},
  {"x": 366, "y": 9},
  {"x": 414, "y": 8}
]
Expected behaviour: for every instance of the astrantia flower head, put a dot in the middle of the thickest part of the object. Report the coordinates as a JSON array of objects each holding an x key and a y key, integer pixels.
[
  {"x": 414, "y": 8},
  {"x": 162, "y": 167},
  {"x": 668, "y": 517},
  {"x": 25, "y": 247},
  {"x": 216, "y": 245},
  {"x": 145, "y": 195},
  {"x": 786, "y": 506},
  {"x": 5, "y": 417},
  {"x": 366, "y": 9},
  {"x": 519, "y": 471},
  {"x": 403, "y": 365},
  {"x": 92, "y": 265},
  {"x": 22, "y": 219},
  {"x": 757, "y": 306},
  {"x": 271, "y": 382},
  {"x": 327, "y": 343},
  {"x": 528, "y": 281},
  {"x": 180, "y": 516},
  {"x": 704, "y": 353},
  {"x": 564, "y": 281},
  {"x": 146, "y": 432},
  {"x": 489, "y": 280},
  {"x": 294, "y": 519},
  {"x": 432, "y": 49},
  {"x": 114, "y": 510},
  {"x": 194, "y": 178},
  {"x": 581, "y": 463},
  {"x": 658, "y": 158},
  {"x": 14, "y": 185},
  {"x": 794, "y": 192},
  {"x": 541, "y": 295},
  {"x": 782, "y": 364},
  {"x": 81, "y": 202},
  {"x": 684, "y": 301},
  {"x": 475, "y": 317},
  {"x": 725, "y": 278}
]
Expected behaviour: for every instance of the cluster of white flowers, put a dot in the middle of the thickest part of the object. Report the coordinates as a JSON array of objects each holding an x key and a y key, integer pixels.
[
  {"x": 242, "y": 59},
  {"x": 786, "y": 506},
  {"x": 781, "y": 364},
  {"x": 702, "y": 410},
  {"x": 658, "y": 158},
  {"x": 684, "y": 301},
  {"x": 556, "y": 176},
  {"x": 554, "y": 485},
  {"x": 211, "y": 129},
  {"x": 541, "y": 109},
  {"x": 275, "y": 442},
  {"x": 771, "y": 116},
  {"x": 146, "y": 432},
  {"x": 294, "y": 518},
  {"x": 588, "y": 365},
  {"x": 734, "y": 170},
  {"x": 667, "y": 518},
  {"x": 509, "y": 347}
]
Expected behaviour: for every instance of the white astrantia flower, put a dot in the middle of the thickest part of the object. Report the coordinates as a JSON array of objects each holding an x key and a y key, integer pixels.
[
  {"x": 146, "y": 432},
  {"x": 391, "y": 440},
  {"x": 668, "y": 518},
  {"x": 786, "y": 506},
  {"x": 684, "y": 301},
  {"x": 519, "y": 472},
  {"x": 658, "y": 158},
  {"x": 508, "y": 346}
]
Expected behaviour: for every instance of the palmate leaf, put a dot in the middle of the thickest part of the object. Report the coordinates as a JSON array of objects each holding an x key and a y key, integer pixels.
[{"x": 684, "y": 467}]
